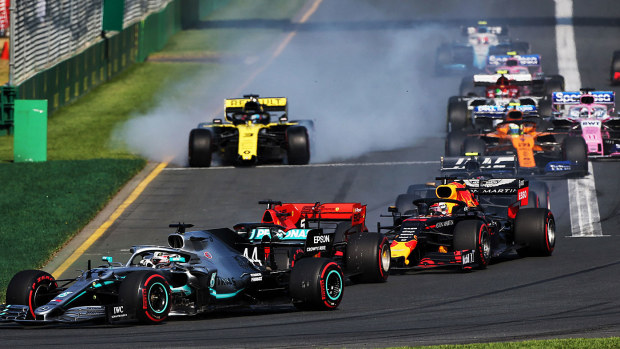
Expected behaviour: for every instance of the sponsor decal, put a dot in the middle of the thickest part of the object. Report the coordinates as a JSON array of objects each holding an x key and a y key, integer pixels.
[
  {"x": 604, "y": 97},
  {"x": 224, "y": 281},
  {"x": 557, "y": 166},
  {"x": 467, "y": 257},
  {"x": 256, "y": 277},
  {"x": 212, "y": 281},
  {"x": 316, "y": 248},
  {"x": 208, "y": 255},
  {"x": 293, "y": 234},
  {"x": 591, "y": 123},
  {"x": 321, "y": 239},
  {"x": 522, "y": 194},
  {"x": 444, "y": 224}
]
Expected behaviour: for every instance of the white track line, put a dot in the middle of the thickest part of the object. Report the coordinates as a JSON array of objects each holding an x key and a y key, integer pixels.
[
  {"x": 342, "y": 164},
  {"x": 585, "y": 219}
]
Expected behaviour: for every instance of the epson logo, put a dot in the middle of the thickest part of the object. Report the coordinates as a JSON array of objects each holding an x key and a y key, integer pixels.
[{"x": 321, "y": 239}]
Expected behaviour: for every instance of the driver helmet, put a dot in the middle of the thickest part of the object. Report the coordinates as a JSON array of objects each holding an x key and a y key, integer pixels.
[
  {"x": 583, "y": 113},
  {"x": 515, "y": 130},
  {"x": 162, "y": 259},
  {"x": 439, "y": 209}
]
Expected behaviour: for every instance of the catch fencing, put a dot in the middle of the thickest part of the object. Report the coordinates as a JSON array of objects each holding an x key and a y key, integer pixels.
[{"x": 61, "y": 52}]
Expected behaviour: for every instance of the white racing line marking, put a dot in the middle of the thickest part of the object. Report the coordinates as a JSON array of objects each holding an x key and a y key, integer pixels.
[
  {"x": 341, "y": 164},
  {"x": 585, "y": 219}
]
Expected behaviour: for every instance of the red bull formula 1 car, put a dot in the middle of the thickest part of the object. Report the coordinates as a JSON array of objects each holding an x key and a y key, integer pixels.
[{"x": 467, "y": 223}]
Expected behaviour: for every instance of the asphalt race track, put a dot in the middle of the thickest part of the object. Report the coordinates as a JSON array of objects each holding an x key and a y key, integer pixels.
[{"x": 364, "y": 70}]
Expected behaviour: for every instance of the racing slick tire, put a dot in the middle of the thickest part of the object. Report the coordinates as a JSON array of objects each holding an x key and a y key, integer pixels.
[
  {"x": 615, "y": 67},
  {"x": 146, "y": 295},
  {"x": 368, "y": 257},
  {"x": 454, "y": 143},
  {"x": 473, "y": 234},
  {"x": 554, "y": 84},
  {"x": 575, "y": 149},
  {"x": 535, "y": 230},
  {"x": 457, "y": 116},
  {"x": 200, "y": 147},
  {"x": 316, "y": 284},
  {"x": 33, "y": 288},
  {"x": 298, "y": 146},
  {"x": 474, "y": 145}
]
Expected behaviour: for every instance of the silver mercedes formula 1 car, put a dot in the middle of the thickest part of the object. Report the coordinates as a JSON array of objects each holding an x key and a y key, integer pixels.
[{"x": 199, "y": 271}]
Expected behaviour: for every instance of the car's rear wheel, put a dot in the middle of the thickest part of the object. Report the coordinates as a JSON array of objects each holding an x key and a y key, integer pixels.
[
  {"x": 368, "y": 257},
  {"x": 33, "y": 288},
  {"x": 457, "y": 116},
  {"x": 454, "y": 143},
  {"x": 535, "y": 231},
  {"x": 574, "y": 149},
  {"x": 146, "y": 295},
  {"x": 200, "y": 147},
  {"x": 473, "y": 235},
  {"x": 298, "y": 146},
  {"x": 316, "y": 284}
]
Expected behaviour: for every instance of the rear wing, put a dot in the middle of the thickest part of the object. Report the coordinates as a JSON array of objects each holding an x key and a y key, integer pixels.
[
  {"x": 524, "y": 60},
  {"x": 269, "y": 104},
  {"x": 579, "y": 97},
  {"x": 477, "y": 164},
  {"x": 517, "y": 187},
  {"x": 355, "y": 212},
  {"x": 294, "y": 214},
  {"x": 491, "y": 79}
]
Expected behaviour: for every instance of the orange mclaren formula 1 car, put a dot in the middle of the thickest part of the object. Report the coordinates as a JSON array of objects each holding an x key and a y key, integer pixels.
[
  {"x": 467, "y": 223},
  {"x": 339, "y": 231},
  {"x": 538, "y": 150}
]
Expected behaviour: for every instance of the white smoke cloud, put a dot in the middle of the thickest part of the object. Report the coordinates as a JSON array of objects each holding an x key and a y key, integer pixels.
[{"x": 367, "y": 89}]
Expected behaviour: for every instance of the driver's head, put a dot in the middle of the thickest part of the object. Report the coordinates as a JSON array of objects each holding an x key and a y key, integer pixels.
[
  {"x": 439, "y": 209},
  {"x": 515, "y": 130},
  {"x": 584, "y": 113}
]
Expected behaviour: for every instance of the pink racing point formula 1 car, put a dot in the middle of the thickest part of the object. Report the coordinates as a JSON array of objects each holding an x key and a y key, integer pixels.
[{"x": 591, "y": 115}]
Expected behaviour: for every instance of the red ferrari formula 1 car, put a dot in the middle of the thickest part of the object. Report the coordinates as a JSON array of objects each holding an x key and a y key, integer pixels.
[{"x": 364, "y": 256}]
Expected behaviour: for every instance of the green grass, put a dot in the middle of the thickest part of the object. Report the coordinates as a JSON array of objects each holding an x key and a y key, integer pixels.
[
  {"x": 576, "y": 343},
  {"x": 45, "y": 204}
]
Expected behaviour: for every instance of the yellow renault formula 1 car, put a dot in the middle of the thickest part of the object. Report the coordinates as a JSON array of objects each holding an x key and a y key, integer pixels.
[{"x": 255, "y": 130}]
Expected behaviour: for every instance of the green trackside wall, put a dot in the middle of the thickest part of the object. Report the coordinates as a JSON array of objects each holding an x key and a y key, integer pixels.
[{"x": 72, "y": 78}]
